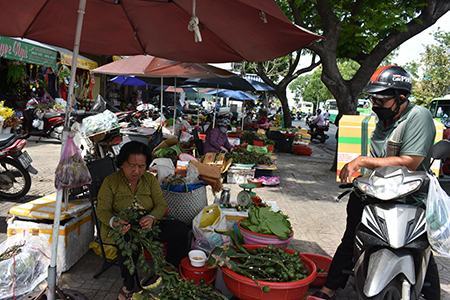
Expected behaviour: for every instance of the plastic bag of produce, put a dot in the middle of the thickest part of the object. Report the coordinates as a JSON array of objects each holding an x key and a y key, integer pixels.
[
  {"x": 101, "y": 122},
  {"x": 438, "y": 217},
  {"x": 71, "y": 171},
  {"x": 204, "y": 226},
  {"x": 23, "y": 265}
]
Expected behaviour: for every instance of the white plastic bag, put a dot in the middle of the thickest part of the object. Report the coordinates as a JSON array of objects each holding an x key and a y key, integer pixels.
[
  {"x": 164, "y": 167},
  {"x": 22, "y": 272},
  {"x": 204, "y": 225},
  {"x": 438, "y": 217},
  {"x": 100, "y": 122}
]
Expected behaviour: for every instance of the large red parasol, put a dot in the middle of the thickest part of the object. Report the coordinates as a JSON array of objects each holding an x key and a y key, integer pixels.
[
  {"x": 150, "y": 66},
  {"x": 229, "y": 30}
]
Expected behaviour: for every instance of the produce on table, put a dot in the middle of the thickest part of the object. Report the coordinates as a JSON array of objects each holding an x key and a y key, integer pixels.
[
  {"x": 175, "y": 288},
  {"x": 263, "y": 264},
  {"x": 242, "y": 156},
  {"x": 170, "y": 286},
  {"x": 264, "y": 220}
]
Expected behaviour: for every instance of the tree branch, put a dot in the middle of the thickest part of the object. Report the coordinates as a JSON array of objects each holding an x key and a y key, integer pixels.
[
  {"x": 263, "y": 75},
  {"x": 296, "y": 13},
  {"x": 311, "y": 67},
  {"x": 429, "y": 15}
]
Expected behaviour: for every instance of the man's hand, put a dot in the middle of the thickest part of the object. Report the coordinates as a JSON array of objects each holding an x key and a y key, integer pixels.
[
  {"x": 146, "y": 222},
  {"x": 124, "y": 224},
  {"x": 349, "y": 169}
]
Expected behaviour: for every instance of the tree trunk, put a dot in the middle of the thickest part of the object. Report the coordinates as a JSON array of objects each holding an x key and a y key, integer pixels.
[{"x": 281, "y": 93}]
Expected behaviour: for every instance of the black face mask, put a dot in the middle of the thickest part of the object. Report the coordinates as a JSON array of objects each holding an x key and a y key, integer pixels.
[{"x": 384, "y": 113}]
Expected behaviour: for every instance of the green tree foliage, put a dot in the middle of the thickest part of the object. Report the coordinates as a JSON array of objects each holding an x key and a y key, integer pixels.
[
  {"x": 431, "y": 74},
  {"x": 362, "y": 31},
  {"x": 310, "y": 87}
]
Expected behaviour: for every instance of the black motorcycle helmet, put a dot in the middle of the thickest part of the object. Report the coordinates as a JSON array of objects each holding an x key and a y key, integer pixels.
[{"x": 389, "y": 80}]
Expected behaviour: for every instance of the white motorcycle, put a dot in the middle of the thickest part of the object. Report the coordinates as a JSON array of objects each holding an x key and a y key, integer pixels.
[{"x": 391, "y": 246}]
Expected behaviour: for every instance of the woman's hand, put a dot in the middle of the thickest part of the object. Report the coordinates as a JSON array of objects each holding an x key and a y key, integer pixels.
[
  {"x": 146, "y": 222},
  {"x": 122, "y": 223}
]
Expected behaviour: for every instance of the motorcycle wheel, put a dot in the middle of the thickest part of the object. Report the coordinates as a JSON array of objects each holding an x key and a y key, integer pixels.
[{"x": 14, "y": 170}]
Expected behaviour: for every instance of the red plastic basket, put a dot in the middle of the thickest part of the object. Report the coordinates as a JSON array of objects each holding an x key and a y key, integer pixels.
[
  {"x": 301, "y": 150},
  {"x": 322, "y": 262},
  {"x": 258, "y": 143},
  {"x": 245, "y": 288}
]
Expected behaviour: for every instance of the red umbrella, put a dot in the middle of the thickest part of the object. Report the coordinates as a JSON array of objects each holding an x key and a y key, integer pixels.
[
  {"x": 227, "y": 30},
  {"x": 150, "y": 66}
]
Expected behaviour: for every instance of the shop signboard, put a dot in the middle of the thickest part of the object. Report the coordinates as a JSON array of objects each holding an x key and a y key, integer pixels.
[{"x": 26, "y": 52}]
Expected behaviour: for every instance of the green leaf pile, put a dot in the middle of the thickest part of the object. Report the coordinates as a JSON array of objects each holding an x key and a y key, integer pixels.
[{"x": 264, "y": 220}]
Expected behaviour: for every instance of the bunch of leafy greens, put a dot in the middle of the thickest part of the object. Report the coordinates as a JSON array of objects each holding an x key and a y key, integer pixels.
[
  {"x": 135, "y": 242},
  {"x": 242, "y": 156},
  {"x": 265, "y": 220}
]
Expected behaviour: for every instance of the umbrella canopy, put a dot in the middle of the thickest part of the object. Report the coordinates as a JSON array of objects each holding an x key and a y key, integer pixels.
[
  {"x": 150, "y": 66},
  {"x": 234, "y": 95},
  {"x": 260, "y": 86},
  {"x": 230, "y": 83},
  {"x": 128, "y": 80},
  {"x": 172, "y": 89},
  {"x": 185, "y": 30}
]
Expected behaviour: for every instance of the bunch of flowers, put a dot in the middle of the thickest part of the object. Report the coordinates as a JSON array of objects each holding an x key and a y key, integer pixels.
[{"x": 5, "y": 112}]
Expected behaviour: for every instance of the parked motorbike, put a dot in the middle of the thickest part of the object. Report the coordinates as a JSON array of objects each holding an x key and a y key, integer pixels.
[
  {"x": 317, "y": 132},
  {"x": 42, "y": 124},
  {"x": 15, "y": 167},
  {"x": 391, "y": 246}
]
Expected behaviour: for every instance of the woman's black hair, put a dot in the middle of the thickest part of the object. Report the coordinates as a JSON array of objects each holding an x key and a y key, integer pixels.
[{"x": 133, "y": 147}]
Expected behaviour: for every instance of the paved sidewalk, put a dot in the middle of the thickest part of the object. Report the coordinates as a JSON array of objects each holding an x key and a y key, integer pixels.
[{"x": 306, "y": 194}]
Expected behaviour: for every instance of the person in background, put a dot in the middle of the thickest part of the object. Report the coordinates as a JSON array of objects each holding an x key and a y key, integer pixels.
[
  {"x": 317, "y": 121},
  {"x": 263, "y": 120},
  {"x": 133, "y": 185},
  {"x": 216, "y": 138}
]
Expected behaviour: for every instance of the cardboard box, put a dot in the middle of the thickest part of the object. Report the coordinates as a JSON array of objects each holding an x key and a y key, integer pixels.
[
  {"x": 354, "y": 139},
  {"x": 73, "y": 241}
]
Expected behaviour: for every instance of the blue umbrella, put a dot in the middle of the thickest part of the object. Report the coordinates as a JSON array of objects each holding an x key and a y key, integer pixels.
[
  {"x": 233, "y": 95},
  {"x": 129, "y": 81}
]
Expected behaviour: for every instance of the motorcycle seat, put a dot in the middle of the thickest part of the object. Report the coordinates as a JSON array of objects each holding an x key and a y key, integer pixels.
[
  {"x": 5, "y": 139},
  {"x": 49, "y": 115}
]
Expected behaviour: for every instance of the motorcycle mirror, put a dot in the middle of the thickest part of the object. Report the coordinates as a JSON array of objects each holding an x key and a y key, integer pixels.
[{"x": 441, "y": 150}]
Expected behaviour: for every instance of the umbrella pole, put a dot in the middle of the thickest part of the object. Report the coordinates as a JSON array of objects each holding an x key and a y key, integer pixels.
[
  {"x": 51, "y": 277},
  {"x": 175, "y": 106},
  {"x": 215, "y": 104},
  {"x": 242, "y": 110},
  {"x": 162, "y": 101}
]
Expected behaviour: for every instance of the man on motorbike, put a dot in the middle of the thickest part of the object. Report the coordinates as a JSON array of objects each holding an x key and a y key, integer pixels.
[
  {"x": 318, "y": 121},
  {"x": 388, "y": 88}
]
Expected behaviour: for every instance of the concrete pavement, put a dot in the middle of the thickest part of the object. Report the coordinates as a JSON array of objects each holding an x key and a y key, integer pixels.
[{"x": 307, "y": 194}]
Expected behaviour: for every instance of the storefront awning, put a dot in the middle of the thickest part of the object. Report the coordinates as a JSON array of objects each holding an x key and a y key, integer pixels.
[
  {"x": 83, "y": 62},
  {"x": 24, "y": 51}
]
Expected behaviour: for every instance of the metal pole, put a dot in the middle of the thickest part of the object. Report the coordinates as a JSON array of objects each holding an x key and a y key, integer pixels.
[
  {"x": 215, "y": 103},
  {"x": 242, "y": 109},
  {"x": 175, "y": 106},
  {"x": 162, "y": 101},
  {"x": 51, "y": 279}
]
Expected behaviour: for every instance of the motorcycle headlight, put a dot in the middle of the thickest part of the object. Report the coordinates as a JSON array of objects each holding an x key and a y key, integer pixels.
[{"x": 387, "y": 188}]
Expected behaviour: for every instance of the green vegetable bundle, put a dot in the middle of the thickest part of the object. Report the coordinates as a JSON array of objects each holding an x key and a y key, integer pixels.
[
  {"x": 265, "y": 220},
  {"x": 135, "y": 242},
  {"x": 242, "y": 156},
  {"x": 175, "y": 288},
  {"x": 262, "y": 264}
]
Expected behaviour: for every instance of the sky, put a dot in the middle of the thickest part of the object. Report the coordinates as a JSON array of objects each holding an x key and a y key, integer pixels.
[{"x": 412, "y": 48}]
